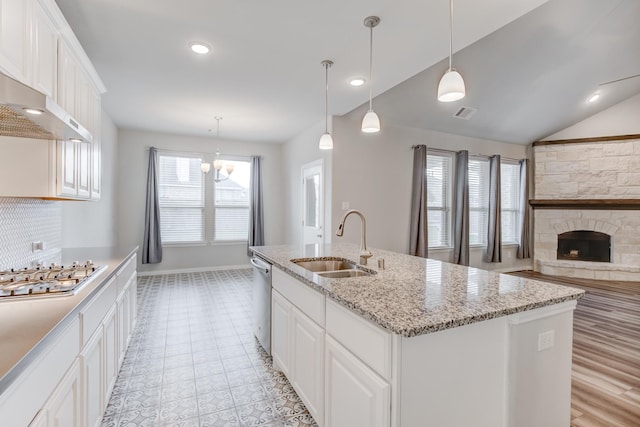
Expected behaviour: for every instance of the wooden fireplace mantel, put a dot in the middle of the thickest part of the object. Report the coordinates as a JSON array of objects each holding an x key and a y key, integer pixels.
[{"x": 608, "y": 204}]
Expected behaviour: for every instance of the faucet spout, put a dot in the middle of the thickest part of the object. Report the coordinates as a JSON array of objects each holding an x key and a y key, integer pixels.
[{"x": 364, "y": 253}]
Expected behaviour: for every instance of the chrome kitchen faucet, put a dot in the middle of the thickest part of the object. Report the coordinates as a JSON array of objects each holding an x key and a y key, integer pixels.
[{"x": 364, "y": 253}]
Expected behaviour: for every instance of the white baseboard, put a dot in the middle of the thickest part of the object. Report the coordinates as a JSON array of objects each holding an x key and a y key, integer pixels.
[{"x": 193, "y": 270}]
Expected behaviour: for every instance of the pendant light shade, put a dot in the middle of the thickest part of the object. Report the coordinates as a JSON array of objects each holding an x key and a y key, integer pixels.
[
  {"x": 451, "y": 87},
  {"x": 326, "y": 142},
  {"x": 371, "y": 121}
]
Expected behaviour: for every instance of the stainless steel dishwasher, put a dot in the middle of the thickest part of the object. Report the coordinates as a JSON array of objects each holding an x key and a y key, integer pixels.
[{"x": 262, "y": 302}]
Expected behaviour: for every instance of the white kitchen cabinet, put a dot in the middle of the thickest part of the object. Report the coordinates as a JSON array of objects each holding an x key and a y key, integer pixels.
[
  {"x": 111, "y": 360},
  {"x": 15, "y": 23},
  {"x": 64, "y": 407},
  {"x": 307, "y": 362},
  {"x": 67, "y": 169},
  {"x": 96, "y": 147},
  {"x": 44, "y": 45},
  {"x": 83, "y": 166},
  {"x": 92, "y": 374},
  {"x": 280, "y": 325},
  {"x": 67, "y": 74},
  {"x": 354, "y": 394}
]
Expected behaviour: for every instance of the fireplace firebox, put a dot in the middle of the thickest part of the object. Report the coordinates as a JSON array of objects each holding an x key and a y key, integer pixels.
[{"x": 583, "y": 245}]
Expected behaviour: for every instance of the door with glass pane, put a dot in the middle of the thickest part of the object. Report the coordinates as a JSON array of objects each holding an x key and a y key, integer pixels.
[{"x": 313, "y": 203}]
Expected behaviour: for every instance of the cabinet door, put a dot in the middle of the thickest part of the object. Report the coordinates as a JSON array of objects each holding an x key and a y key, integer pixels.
[
  {"x": 133, "y": 304},
  {"x": 280, "y": 324},
  {"x": 96, "y": 148},
  {"x": 84, "y": 162},
  {"x": 110, "y": 352},
  {"x": 123, "y": 324},
  {"x": 307, "y": 363},
  {"x": 64, "y": 407},
  {"x": 14, "y": 38},
  {"x": 67, "y": 177},
  {"x": 92, "y": 368},
  {"x": 354, "y": 394},
  {"x": 45, "y": 52},
  {"x": 67, "y": 70}
]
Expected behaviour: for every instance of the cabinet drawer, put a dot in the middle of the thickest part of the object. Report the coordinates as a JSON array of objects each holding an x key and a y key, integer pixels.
[
  {"x": 367, "y": 341},
  {"x": 308, "y": 300},
  {"x": 92, "y": 315},
  {"x": 125, "y": 272}
]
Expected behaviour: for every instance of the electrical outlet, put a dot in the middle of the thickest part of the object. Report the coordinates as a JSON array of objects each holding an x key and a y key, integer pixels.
[
  {"x": 546, "y": 340},
  {"x": 37, "y": 246}
]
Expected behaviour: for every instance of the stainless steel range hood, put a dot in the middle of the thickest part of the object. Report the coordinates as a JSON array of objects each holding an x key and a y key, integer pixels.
[{"x": 27, "y": 113}]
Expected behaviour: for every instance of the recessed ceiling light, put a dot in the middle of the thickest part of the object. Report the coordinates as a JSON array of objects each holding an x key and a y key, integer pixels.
[
  {"x": 593, "y": 98},
  {"x": 33, "y": 111},
  {"x": 201, "y": 48},
  {"x": 75, "y": 139},
  {"x": 357, "y": 81}
]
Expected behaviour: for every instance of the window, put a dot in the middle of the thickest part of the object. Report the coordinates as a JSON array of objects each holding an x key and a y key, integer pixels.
[
  {"x": 181, "y": 198},
  {"x": 510, "y": 196},
  {"x": 231, "y": 202},
  {"x": 478, "y": 200},
  {"x": 186, "y": 215},
  {"x": 439, "y": 166}
]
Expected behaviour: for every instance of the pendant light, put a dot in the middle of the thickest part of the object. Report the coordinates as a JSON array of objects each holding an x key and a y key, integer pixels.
[
  {"x": 451, "y": 87},
  {"x": 218, "y": 164},
  {"x": 326, "y": 142},
  {"x": 371, "y": 122}
]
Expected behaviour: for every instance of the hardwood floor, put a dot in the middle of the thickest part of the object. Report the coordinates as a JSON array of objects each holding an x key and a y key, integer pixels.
[{"x": 605, "y": 389}]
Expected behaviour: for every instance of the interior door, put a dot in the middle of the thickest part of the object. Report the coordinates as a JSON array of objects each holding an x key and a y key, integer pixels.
[{"x": 313, "y": 203}]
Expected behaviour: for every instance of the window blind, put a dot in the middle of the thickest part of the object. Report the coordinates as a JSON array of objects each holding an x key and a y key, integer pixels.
[
  {"x": 181, "y": 198},
  {"x": 509, "y": 193},
  {"x": 478, "y": 200},
  {"x": 231, "y": 204},
  {"x": 439, "y": 167}
]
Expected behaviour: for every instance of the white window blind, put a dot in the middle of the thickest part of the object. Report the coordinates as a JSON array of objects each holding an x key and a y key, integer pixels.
[
  {"x": 510, "y": 191},
  {"x": 181, "y": 198},
  {"x": 478, "y": 200},
  {"x": 439, "y": 166},
  {"x": 231, "y": 204}
]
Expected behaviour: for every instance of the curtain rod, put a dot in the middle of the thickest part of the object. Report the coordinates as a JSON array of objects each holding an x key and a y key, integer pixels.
[{"x": 470, "y": 154}]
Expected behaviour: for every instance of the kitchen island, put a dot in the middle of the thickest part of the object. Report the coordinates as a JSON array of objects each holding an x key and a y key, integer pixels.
[{"x": 421, "y": 342}]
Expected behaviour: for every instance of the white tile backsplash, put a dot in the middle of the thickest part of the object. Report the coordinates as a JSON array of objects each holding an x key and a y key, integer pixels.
[{"x": 24, "y": 221}]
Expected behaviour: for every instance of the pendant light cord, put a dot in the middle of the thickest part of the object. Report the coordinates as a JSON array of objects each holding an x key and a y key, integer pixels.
[
  {"x": 450, "y": 32},
  {"x": 370, "y": 67},
  {"x": 326, "y": 97}
]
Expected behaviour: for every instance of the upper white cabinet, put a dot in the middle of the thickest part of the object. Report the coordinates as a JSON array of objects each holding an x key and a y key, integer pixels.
[
  {"x": 15, "y": 20},
  {"x": 44, "y": 43}
]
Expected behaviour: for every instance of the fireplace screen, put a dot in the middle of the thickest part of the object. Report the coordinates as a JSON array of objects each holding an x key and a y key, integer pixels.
[{"x": 584, "y": 246}]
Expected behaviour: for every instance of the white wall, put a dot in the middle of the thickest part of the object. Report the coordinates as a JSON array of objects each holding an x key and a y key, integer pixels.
[
  {"x": 91, "y": 224},
  {"x": 620, "y": 119},
  {"x": 132, "y": 164},
  {"x": 297, "y": 152},
  {"x": 373, "y": 174}
]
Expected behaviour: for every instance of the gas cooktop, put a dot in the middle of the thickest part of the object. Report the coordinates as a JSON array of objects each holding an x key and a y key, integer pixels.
[{"x": 46, "y": 281}]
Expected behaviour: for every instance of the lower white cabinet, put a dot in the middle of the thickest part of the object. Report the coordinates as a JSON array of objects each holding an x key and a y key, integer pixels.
[
  {"x": 307, "y": 353},
  {"x": 280, "y": 326},
  {"x": 111, "y": 353},
  {"x": 64, "y": 407},
  {"x": 354, "y": 394},
  {"x": 92, "y": 366}
]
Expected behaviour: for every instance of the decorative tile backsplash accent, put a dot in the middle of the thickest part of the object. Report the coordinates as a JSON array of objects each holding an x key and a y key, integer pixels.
[{"x": 24, "y": 221}]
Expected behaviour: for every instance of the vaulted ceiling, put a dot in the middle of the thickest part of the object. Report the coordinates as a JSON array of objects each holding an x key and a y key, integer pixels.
[{"x": 529, "y": 65}]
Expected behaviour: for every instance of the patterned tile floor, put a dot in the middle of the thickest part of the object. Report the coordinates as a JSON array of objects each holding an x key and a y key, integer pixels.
[{"x": 193, "y": 360}]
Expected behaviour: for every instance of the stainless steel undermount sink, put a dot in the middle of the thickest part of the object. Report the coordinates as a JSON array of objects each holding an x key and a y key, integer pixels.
[{"x": 331, "y": 267}]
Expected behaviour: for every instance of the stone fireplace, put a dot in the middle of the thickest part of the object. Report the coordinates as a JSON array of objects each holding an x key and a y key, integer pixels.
[{"x": 587, "y": 209}]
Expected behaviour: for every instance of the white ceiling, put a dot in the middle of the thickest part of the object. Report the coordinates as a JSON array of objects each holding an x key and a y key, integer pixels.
[{"x": 264, "y": 75}]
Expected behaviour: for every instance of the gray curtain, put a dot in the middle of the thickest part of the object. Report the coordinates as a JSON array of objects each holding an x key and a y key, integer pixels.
[
  {"x": 461, "y": 209},
  {"x": 256, "y": 210},
  {"x": 418, "y": 237},
  {"x": 152, "y": 244},
  {"x": 494, "y": 230},
  {"x": 525, "y": 238}
]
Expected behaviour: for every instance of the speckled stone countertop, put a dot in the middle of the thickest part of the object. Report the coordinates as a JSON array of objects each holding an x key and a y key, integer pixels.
[{"x": 414, "y": 296}]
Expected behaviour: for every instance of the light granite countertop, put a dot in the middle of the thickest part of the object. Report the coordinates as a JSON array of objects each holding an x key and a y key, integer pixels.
[{"x": 414, "y": 296}]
